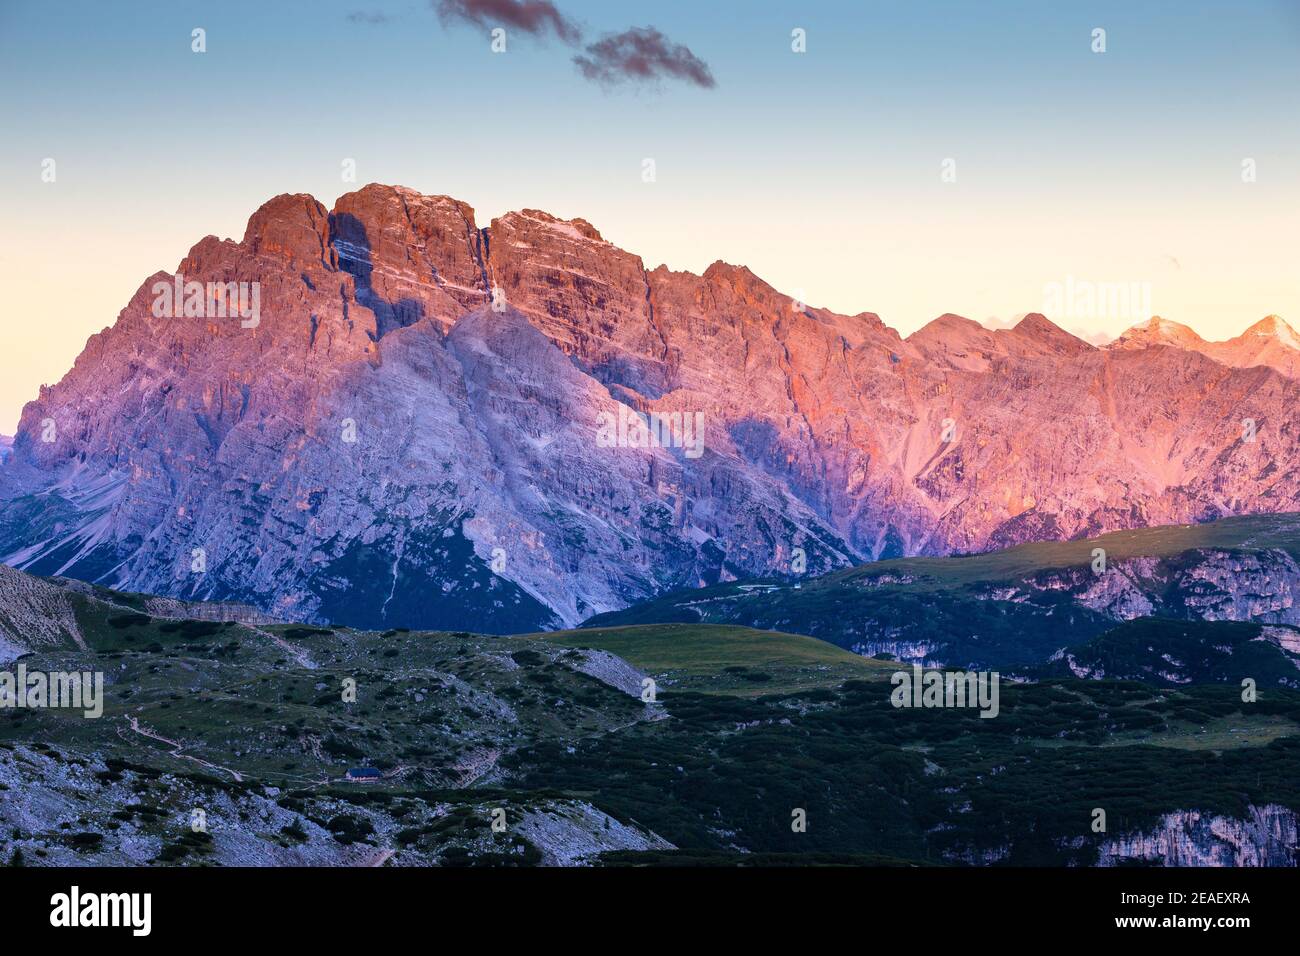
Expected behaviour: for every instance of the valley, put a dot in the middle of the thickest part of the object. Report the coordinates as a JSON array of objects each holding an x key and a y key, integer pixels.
[{"x": 253, "y": 729}]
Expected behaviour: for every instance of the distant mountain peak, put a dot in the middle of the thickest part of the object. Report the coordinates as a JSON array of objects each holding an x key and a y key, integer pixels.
[
  {"x": 1158, "y": 331},
  {"x": 947, "y": 324},
  {"x": 1036, "y": 321},
  {"x": 1275, "y": 327},
  {"x": 1270, "y": 342},
  {"x": 1040, "y": 327}
]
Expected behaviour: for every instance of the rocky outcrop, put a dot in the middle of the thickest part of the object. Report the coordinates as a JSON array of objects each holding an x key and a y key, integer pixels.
[
  {"x": 411, "y": 430},
  {"x": 34, "y": 615},
  {"x": 576, "y": 833},
  {"x": 81, "y": 810},
  {"x": 608, "y": 669},
  {"x": 1266, "y": 836},
  {"x": 1226, "y": 586},
  {"x": 1262, "y": 586}
]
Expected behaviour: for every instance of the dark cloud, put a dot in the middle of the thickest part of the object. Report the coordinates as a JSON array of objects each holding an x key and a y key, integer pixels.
[
  {"x": 532, "y": 16},
  {"x": 640, "y": 54},
  {"x": 368, "y": 16}
]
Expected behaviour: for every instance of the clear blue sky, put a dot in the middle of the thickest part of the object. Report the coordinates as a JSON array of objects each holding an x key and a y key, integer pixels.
[{"x": 820, "y": 171}]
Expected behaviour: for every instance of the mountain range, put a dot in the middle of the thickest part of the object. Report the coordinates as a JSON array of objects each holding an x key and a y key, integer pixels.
[
  {"x": 1270, "y": 342},
  {"x": 415, "y": 429}
]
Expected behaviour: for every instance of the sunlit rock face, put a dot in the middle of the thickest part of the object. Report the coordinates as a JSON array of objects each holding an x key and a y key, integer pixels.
[{"x": 415, "y": 428}]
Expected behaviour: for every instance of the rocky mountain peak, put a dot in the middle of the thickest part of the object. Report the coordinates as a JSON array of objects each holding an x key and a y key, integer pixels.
[
  {"x": 1157, "y": 331},
  {"x": 721, "y": 271},
  {"x": 947, "y": 324},
  {"x": 570, "y": 228},
  {"x": 962, "y": 343},
  {"x": 1043, "y": 332},
  {"x": 292, "y": 227},
  {"x": 1275, "y": 327}
]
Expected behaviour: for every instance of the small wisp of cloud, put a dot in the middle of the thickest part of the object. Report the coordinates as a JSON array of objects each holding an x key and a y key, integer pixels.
[
  {"x": 536, "y": 17},
  {"x": 642, "y": 54},
  {"x": 371, "y": 17}
]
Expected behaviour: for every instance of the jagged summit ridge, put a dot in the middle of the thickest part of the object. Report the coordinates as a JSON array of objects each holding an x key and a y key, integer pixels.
[{"x": 297, "y": 227}]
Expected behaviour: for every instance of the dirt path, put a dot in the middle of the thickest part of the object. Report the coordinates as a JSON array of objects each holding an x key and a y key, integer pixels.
[
  {"x": 297, "y": 653},
  {"x": 379, "y": 858},
  {"x": 178, "y": 747}
]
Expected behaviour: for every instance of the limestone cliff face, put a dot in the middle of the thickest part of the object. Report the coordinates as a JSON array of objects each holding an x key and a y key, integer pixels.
[
  {"x": 1207, "y": 584},
  {"x": 1266, "y": 836},
  {"x": 410, "y": 432},
  {"x": 1263, "y": 836}
]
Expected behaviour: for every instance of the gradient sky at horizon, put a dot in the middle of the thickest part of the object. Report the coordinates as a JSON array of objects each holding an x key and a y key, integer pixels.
[{"x": 820, "y": 171}]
